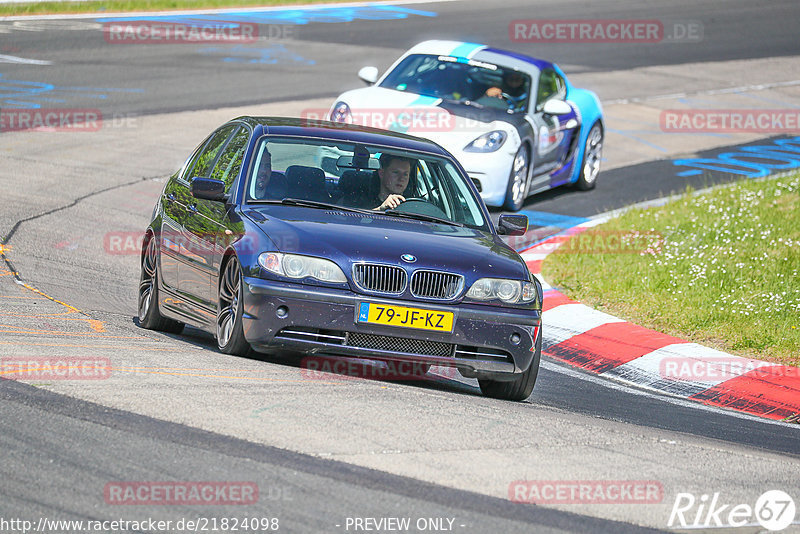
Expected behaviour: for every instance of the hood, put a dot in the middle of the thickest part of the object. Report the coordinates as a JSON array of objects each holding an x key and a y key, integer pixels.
[
  {"x": 452, "y": 125},
  {"x": 347, "y": 237}
]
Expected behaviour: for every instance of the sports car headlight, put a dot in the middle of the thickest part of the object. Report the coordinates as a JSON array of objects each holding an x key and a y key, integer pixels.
[
  {"x": 488, "y": 142},
  {"x": 508, "y": 291},
  {"x": 296, "y": 266},
  {"x": 341, "y": 113}
]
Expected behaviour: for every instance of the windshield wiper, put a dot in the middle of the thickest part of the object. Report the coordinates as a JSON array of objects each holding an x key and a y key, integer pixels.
[
  {"x": 311, "y": 204},
  {"x": 420, "y": 217}
]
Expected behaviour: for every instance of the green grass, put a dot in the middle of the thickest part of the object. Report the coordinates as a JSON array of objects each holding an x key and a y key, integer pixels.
[
  {"x": 116, "y": 6},
  {"x": 720, "y": 269}
]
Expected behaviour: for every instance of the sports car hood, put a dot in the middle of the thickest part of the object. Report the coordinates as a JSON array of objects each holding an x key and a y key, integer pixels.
[
  {"x": 450, "y": 124},
  {"x": 348, "y": 237}
]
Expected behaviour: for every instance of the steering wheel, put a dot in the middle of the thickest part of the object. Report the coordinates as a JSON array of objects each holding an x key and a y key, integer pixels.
[
  {"x": 513, "y": 101},
  {"x": 421, "y": 207}
]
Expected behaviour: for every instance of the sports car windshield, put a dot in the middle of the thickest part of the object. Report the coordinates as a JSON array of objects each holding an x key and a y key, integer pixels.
[
  {"x": 461, "y": 80},
  {"x": 331, "y": 174}
]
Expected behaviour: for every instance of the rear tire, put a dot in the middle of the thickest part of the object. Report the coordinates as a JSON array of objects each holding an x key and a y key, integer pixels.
[
  {"x": 592, "y": 154},
  {"x": 519, "y": 389},
  {"x": 230, "y": 333},
  {"x": 517, "y": 180},
  {"x": 149, "y": 315}
]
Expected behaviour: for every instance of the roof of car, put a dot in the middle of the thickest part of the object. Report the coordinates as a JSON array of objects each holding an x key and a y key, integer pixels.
[
  {"x": 344, "y": 132},
  {"x": 473, "y": 51}
]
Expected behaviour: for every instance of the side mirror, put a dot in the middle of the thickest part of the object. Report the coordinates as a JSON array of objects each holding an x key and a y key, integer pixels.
[
  {"x": 556, "y": 107},
  {"x": 369, "y": 75},
  {"x": 208, "y": 189},
  {"x": 512, "y": 225}
]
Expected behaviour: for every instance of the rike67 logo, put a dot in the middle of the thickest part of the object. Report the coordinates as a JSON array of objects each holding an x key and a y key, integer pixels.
[{"x": 774, "y": 510}]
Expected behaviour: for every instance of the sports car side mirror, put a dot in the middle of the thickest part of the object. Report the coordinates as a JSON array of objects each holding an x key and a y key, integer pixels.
[
  {"x": 369, "y": 75},
  {"x": 208, "y": 189},
  {"x": 512, "y": 225},
  {"x": 556, "y": 107}
]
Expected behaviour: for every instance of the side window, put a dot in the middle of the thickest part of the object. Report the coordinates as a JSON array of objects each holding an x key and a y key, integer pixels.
[
  {"x": 435, "y": 190},
  {"x": 230, "y": 161},
  {"x": 550, "y": 85},
  {"x": 204, "y": 161},
  {"x": 185, "y": 176},
  {"x": 562, "y": 87}
]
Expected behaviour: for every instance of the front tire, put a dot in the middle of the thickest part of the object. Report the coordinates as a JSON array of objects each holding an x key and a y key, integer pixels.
[
  {"x": 592, "y": 154},
  {"x": 519, "y": 389},
  {"x": 230, "y": 334},
  {"x": 517, "y": 180},
  {"x": 149, "y": 315}
]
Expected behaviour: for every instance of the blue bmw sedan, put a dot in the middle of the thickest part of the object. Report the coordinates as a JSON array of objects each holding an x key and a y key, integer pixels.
[{"x": 389, "y": 254}]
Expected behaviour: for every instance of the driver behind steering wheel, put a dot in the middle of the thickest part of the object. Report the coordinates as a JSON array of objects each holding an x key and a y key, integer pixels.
[
  {"x": 514, "y": 87},
  {"x": 394, "y": 173}
]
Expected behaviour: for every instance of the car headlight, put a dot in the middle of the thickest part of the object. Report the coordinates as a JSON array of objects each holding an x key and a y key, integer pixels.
[
  {"x": 508, "y": 291},
  {"x": 488, "y": 142},
  {"x": 299, "y": 267},
  {"x": 341, "y": 113}
]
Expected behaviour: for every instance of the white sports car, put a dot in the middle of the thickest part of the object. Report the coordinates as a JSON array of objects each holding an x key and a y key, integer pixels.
[{"x": 515, "y": 123}]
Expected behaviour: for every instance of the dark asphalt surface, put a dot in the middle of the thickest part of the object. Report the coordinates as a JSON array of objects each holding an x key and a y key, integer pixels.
[
  {"x": 321, "y": 58},
  {"x": 59, "y": 454}
]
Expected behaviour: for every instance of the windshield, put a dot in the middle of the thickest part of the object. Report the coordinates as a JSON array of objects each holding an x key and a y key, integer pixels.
[
  {"x": 334, "y": 174},
  {"x": 461, "y": 80}
]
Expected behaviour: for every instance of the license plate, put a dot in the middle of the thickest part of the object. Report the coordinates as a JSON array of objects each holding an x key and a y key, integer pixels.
[{"x": 439, "y": 321}]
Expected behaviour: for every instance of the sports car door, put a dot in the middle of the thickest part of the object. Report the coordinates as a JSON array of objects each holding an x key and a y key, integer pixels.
[{"x": 554, "y": 132}]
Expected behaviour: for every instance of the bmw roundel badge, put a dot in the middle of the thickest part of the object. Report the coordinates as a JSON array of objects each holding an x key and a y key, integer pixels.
[{"x": 408, "y": 258}]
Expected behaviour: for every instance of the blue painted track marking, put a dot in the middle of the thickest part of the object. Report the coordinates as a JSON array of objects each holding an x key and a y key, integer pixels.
[
  {"x": 542, "y": 218},
  {"x": 21, "y": 94},
  {"x": 750, "y": 161},
  {"x": 277, "y": 53},
  {"x": 299, "y": 16}
]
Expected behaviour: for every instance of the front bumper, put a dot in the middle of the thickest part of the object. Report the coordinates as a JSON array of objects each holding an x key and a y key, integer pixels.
[{"x": 486, "y": 342}]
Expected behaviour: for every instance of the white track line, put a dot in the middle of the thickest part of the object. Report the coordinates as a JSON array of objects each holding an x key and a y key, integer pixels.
[{"x": 22, "y": 60}]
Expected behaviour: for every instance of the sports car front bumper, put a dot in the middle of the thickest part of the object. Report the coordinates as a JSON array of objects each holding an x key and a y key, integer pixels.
[{"x": 486, "y": 341}]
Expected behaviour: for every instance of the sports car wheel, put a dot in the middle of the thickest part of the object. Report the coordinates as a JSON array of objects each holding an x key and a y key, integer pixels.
[
  {"x": 592, "y": 154},
  {"x": 230, "y": 335},
  {"x": 149, "y": 316},
  {"x": 517, "y": 181},
  {"x": 519, "y": 389}
]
